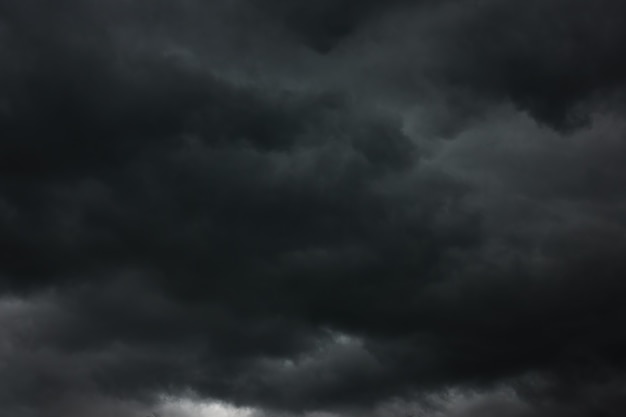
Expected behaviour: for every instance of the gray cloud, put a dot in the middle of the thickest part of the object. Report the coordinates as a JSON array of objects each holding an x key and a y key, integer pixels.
[{"x": 312, "y": 209}]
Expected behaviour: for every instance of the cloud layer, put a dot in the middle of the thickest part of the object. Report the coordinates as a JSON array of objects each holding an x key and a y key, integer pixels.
[{"x": 312, "y": 208}]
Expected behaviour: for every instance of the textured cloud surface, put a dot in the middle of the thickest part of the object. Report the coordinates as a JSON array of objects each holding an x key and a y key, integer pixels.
[{"x": 305, "y": 208}]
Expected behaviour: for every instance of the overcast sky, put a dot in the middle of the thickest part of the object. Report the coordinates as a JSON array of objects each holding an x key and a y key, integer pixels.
[{"x": 312, "y": 208}]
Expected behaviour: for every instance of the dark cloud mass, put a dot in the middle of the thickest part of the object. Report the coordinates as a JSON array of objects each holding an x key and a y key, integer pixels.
[{"x": 312, "y": 208}]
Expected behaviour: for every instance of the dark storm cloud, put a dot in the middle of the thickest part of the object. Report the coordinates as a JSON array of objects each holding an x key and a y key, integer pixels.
[
  {"x": 545, "y": 56},
  {"x": 548, "y": 58},
  {"x": 183, "y": 207},
  {"x": 324, "y": 24}
]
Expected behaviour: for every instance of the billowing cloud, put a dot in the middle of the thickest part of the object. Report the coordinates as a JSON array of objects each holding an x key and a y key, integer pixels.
[{"x": 255, "y": 208}]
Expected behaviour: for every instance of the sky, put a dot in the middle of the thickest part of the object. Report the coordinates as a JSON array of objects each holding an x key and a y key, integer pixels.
[{"x": 300, "y": 208}]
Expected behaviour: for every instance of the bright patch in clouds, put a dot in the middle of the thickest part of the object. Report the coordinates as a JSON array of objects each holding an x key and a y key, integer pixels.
[{"x": 187, "y": 407}]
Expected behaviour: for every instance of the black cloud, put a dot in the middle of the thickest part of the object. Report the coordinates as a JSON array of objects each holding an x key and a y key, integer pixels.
[{"x": 184, "y": 208}]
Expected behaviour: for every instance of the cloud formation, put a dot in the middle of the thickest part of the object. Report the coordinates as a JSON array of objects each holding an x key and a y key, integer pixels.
[{"x": 312, "y": 208}]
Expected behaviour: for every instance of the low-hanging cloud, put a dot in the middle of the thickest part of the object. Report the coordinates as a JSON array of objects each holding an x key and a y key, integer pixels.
[{"x": 357, "y": 208}]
